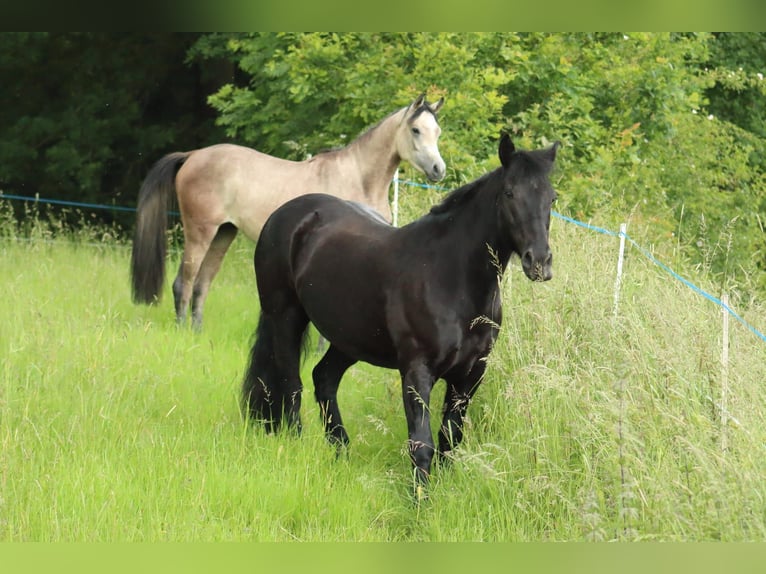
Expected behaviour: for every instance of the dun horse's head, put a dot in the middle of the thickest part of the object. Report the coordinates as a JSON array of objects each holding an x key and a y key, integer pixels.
[
  {"x": 418, "y": 136},
  {"x": 525, "y": 202}
]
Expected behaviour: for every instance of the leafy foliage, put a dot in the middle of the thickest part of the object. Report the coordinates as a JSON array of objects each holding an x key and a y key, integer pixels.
[
  {"x": 665, "y": 130},
  {"x": 84, "y": 115},
  {"x": 637, "y": 113},
  {"x": 739, "y": 88},
  {"x": 308, "y": 92}
]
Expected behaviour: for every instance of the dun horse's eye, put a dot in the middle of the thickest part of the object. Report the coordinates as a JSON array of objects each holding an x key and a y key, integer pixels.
[{"x": 416, "y": 131}]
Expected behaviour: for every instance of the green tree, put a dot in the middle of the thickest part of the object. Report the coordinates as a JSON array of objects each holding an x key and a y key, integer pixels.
[
  {"x": 738, "y": 64},
  {"x": 308, "y": 92},
  {"x": 84, "y": 115},
  {"x": 642, "y": 142},
  {"x": 651, "y": 131},
  {"x": 666, "y": 129}
]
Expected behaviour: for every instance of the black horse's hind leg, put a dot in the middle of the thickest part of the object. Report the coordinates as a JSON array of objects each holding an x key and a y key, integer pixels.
[
  {"x": 457, "y": 396},
  {"x": 327, "y": 375},
  {"x": 417, "y": 382},
  {"x": 289, "y": 330}
]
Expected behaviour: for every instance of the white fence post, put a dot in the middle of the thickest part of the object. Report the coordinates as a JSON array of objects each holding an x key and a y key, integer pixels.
[
  {"x": 724, "y": 371},
  {"x": 620, "y": 259},
  {"x": 395, "y": 208}
]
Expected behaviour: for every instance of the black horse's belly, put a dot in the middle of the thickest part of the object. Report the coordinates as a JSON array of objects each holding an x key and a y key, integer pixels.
[
  {"x": 339, "y": 282},
  {"x": 373, "y": 347},
  {"x": 353, "y": 327}
]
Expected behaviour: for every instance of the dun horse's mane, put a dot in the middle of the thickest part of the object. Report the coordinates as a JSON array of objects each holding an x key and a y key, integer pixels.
[{"x": 424, "y": 107}]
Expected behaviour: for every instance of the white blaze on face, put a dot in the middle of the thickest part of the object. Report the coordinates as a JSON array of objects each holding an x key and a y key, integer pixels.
[{"x": 417, "y": 140}]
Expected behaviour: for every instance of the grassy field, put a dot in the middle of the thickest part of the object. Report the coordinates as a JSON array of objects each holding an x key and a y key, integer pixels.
[{"x": 115, "y": 425}]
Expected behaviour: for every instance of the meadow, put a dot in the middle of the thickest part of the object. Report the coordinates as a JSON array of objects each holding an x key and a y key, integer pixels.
[{"x": 117, "y": 425}]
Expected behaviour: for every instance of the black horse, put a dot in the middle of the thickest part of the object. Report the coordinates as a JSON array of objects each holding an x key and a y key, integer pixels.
[{"x": 423, "y": 299}]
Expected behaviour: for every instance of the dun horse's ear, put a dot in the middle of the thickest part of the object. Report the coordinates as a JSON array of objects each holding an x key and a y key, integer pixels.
[
  {"x": 418, "y": 101},
  {"x": 506, "y": 149},
  {"x": 437, "y": 106}
]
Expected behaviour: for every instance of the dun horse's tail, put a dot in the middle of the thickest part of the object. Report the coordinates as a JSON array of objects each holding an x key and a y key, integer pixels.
[
  {"x": 147, "y": 262},
  {"x": 262, "y": 396}
]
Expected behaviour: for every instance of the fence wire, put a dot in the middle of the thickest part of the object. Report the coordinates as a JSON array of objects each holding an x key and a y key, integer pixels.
[{"x": 713, "y": 299}]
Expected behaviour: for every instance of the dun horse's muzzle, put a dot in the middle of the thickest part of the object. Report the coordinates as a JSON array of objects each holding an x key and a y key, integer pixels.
[
  {"x": 538, "y": 266},
  {"x": 437, "y": 171}
]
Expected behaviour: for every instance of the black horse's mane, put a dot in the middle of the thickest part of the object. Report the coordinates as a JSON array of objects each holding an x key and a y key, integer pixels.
[
  {"x": 526, "y": 164},
  {"x": 462, "y": 194}
]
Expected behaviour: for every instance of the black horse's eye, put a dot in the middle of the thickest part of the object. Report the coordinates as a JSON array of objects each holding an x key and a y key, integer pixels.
[{"x": 416, "y": 131}]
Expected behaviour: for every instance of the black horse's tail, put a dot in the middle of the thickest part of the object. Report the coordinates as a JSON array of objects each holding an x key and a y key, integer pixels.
[
  {"x": 147, "y": 261},
  {"x": 268, "y": 396},
  {"x": 262, "y": 395}
]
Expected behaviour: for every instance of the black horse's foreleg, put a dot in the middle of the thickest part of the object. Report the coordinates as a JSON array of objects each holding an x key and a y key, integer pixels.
[
  {"x": 327, "y": 375},
  {"x": 417, "y": 382},
  {"x": 458, "y": 395}
]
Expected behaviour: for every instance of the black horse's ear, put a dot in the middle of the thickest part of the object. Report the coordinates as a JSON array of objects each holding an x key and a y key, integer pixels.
[
  {"x": 552, "y": 151},
  {"x": 506, "y": 149},
  {"x": 437, "y": 106}
]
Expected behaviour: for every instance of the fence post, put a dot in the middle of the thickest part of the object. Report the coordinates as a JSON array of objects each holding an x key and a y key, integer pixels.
[
  {"x": 724, "y": 370},
  {"x": 396, "y": 199},
  {"x": 620, "y": 259}
]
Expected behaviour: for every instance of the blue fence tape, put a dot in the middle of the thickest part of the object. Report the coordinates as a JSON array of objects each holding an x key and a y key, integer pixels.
[
  {"x": 582, "y": 224},
  {"x": 67, "y": 203},
  {"x": 421, "y": 185},
  {"x": 665, "y": 268},
  {"x": 696, "y": 289},
  {"x": 585, "y": 225}
]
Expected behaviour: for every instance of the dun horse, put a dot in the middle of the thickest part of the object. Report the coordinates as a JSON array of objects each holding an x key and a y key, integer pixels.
[
  {"x": 225, "y": 188},
  {"x": 423, "y": 299}
]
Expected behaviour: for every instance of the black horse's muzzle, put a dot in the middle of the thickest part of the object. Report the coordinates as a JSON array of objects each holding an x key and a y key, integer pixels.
[{"x": 538, "y": 266}]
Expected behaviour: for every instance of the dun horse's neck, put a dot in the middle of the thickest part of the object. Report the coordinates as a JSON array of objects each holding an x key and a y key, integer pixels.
[{"x": 377, "y": 158}]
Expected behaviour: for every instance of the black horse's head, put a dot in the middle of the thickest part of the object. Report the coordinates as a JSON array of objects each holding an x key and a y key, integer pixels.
[{"x": 524, "y": 205}]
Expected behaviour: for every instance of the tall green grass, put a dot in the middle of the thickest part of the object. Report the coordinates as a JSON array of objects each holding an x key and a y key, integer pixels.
[{"x": 116, "y": 425}]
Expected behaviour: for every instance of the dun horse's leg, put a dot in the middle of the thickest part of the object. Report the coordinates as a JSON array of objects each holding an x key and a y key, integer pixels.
[
  {"x": 178, "y": 286},
  {"x": 327, "y": 375},
  {"x": 209, "y": 268},
  {"x": 288, "y": 338},
  {"x": 196, "y": 242},
  {"x": 417, "y": 382},
  {"x": 458, "y": 395}
]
